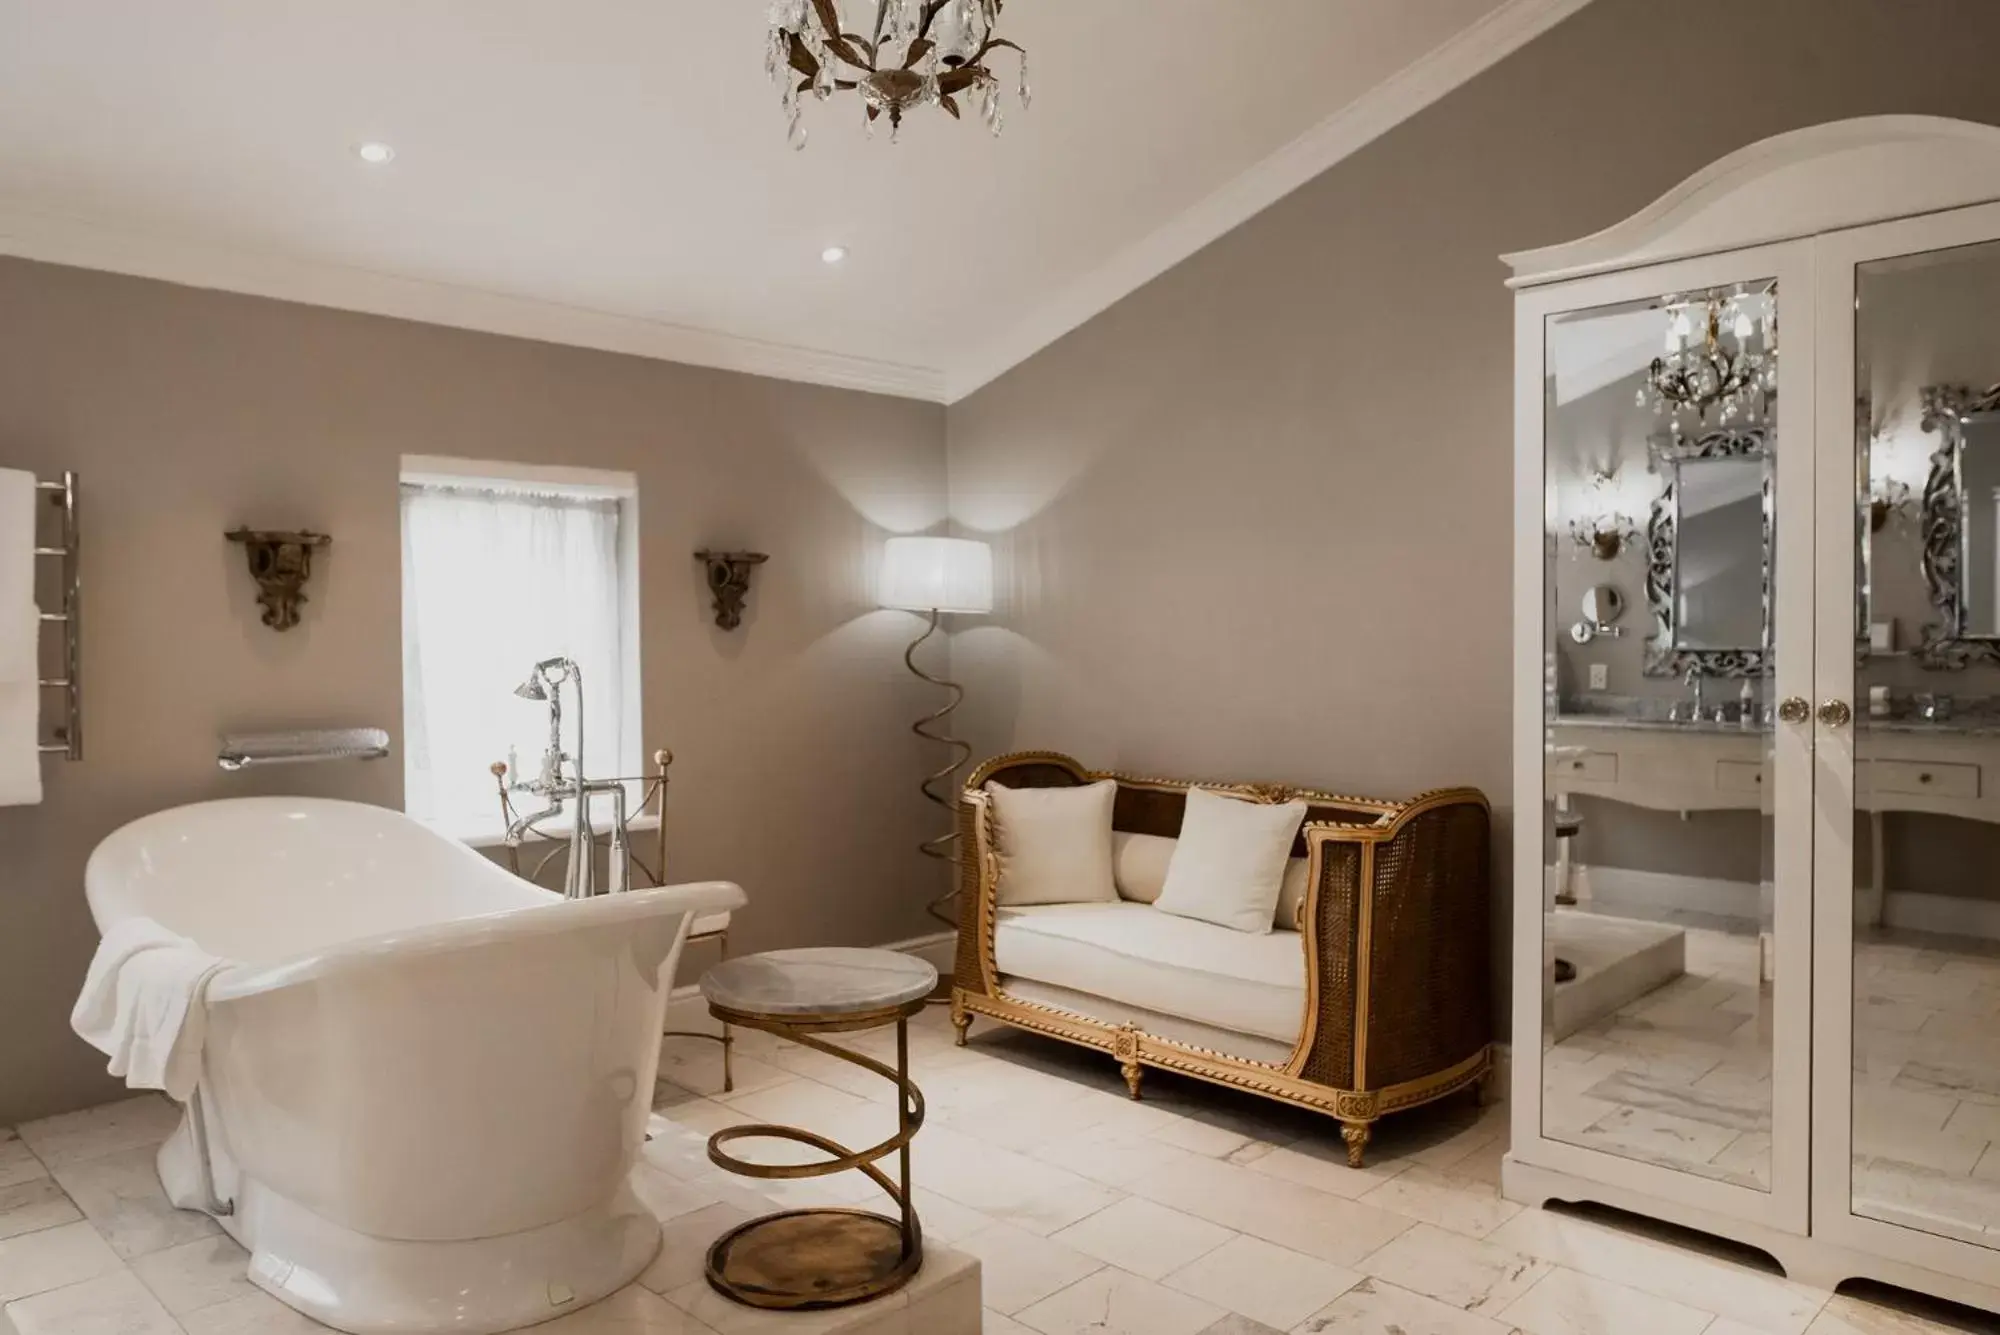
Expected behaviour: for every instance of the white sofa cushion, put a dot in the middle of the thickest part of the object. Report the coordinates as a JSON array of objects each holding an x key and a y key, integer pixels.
[
  {"x": 1139, "y": 866},
  {"x": 1245, "y": 982},
  {"x": 1054, "y": 844},
  {"x": 1230, "y": 863}
]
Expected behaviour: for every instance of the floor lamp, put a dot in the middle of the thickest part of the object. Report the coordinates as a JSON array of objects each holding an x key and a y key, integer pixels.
[{"x": 934, "y": 576}]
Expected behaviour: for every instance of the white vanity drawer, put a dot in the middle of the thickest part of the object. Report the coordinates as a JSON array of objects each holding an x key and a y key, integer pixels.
[
  {"x": 1739, "y": 776},
  {"x": 1590, "y": 766},
  {"x": 1921, "y": 777}
]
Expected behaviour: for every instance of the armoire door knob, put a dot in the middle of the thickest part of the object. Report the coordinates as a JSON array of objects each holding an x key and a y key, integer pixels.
[
  {"x": 1835, "y": 713},
  {"x": 1795, "y": 709}
]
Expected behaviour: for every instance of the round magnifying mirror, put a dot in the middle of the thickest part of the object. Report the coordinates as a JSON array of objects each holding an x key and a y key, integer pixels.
[{"x": 1602, "y": 606}]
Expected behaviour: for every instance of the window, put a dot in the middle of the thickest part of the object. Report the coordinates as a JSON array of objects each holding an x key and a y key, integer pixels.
[{"x": 504, "y": 567}]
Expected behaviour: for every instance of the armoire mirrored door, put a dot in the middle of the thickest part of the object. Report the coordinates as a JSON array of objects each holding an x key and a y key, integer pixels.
[
  {"x": 1676, "y": 625},
  {"x": 1910, "y": 920}
]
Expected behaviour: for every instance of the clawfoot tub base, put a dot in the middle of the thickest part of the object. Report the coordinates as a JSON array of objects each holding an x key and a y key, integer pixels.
[{"x": 362, "y": 1284}]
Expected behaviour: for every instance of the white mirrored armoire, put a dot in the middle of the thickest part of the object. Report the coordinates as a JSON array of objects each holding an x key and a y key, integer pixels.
[{"x": 1757, "y": 730}]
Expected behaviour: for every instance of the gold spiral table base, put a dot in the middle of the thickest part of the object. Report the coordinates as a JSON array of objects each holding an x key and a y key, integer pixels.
[{"x": 799, "y": 1260}]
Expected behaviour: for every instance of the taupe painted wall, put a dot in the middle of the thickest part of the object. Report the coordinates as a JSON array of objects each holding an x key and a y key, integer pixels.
[
  {"x": 189, "y": 412},
  {"x": 1256, "y": 518}
]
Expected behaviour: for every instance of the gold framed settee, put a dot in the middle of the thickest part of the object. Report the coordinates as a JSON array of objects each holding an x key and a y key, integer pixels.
[{"x": 1395, "y": 926}]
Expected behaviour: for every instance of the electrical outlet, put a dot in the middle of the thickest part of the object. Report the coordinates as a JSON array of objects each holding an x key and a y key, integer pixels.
[{"x": 1599, "y": 676}]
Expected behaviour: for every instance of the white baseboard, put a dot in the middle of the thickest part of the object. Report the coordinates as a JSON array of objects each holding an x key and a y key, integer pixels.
[
  {"x": 1652, "y": 893},
  {"x": 688, "y": 1013}
]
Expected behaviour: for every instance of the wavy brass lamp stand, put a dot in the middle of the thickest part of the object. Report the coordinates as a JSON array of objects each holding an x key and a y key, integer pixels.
[
  {"x": 933, "y": 576},
  {"x": 940, "y": 786}
]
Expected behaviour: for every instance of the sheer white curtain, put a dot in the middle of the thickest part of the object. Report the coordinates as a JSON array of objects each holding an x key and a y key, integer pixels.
[{"x": 495, "y": 579}]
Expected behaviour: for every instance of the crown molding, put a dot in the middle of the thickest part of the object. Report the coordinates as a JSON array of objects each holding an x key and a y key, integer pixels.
[
  {"x": 57, "y": 239},
  {"x": 1470, "y": 52}
]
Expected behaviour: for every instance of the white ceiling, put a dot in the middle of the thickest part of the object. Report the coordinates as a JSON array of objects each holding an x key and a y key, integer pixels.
[{"x": 614, "y": 173}]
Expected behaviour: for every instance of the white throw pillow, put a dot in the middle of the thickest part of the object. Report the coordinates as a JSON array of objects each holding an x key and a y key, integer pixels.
[
  {"x": 1139, "y": 865},
  {"x": 1054, "y": 844},
  {"x": 1229, "y": 865}
]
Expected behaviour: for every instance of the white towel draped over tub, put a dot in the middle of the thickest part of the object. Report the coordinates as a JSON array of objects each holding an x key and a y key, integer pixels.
[
  {"x": 20, "y": 624},
  {"x": 144, "y": 1004}
]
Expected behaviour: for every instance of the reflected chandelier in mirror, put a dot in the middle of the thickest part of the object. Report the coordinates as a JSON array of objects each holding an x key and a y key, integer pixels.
[
  {"x": 1710, "y": 526},
  {"x": 1961, "y": 530}
]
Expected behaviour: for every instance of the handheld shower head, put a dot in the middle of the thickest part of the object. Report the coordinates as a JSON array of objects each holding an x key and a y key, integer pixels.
[{"x": 531, "y": 689}]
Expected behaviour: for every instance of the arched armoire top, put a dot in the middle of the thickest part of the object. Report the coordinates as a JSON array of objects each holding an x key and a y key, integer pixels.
[{"x": 1820, "y": 179}]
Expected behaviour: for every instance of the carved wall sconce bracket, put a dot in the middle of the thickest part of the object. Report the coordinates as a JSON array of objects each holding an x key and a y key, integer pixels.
[
  {"x": 729, "y": 580},
  {"x": 281, "y": 563}
]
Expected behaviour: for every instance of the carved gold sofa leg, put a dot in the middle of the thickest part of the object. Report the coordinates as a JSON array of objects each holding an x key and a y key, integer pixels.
[
  {"x": 1356, "y": 1136},
  {"x": 1133, "y": 1073},
  {"x": 961, "y": 1020}
]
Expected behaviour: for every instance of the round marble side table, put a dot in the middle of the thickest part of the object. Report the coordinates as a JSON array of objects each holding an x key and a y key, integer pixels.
[{"x": 822, "y": 1257}]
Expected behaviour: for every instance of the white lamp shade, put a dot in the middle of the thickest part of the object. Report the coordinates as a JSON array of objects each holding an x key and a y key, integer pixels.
[{"x": 937, "y": 574}]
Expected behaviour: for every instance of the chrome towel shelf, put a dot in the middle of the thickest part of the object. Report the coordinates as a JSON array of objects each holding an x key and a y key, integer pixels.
[
  {"x": 303, "y": 747},
  {"x": 68, "y": 741}
]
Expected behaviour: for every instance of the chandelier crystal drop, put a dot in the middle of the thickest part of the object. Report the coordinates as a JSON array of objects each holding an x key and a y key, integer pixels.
[
  {"x": 897, "y": 55},
  {"x": 1721, "y": 354}
]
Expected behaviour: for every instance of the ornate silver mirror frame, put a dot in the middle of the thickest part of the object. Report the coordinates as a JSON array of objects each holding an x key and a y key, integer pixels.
[
  {"x": 1665, "y": 655},
  {"x": 1946, "y": 646}
]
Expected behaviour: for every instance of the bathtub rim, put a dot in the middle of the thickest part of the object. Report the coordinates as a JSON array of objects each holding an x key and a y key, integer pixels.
[{"x": 241, "y": 982}]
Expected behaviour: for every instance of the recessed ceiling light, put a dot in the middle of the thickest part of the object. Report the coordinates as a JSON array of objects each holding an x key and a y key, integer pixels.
[
  {"x": 834, "y": 254},
  {"x": 375, "y": 154}
]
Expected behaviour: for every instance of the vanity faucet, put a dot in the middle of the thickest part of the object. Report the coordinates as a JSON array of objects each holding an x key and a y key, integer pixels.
[{"x": 1689, "y": 711}]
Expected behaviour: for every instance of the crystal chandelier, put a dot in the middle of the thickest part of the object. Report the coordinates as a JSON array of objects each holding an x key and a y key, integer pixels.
[
  {"x": 904, "y": 54},
  {"x": 1701, "y": 371}
]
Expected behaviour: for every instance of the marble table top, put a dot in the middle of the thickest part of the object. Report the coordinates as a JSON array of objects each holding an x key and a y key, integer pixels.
[{"x": 820, "y": 981}]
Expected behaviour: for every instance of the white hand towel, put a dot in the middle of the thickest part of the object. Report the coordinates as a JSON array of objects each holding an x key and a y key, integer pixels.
[
  {"x": 20, "y": 624},
  {"x": 144, "y": 1004}
]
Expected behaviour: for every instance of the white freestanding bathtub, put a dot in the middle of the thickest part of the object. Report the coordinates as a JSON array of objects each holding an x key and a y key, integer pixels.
[{"x": 425, "y": 1080}]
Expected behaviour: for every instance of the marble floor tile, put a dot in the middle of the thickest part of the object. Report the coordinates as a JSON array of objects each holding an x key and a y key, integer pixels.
[
  {"x": 630, "y": 1311},
  {"x": 1564, "y": 1302},
  {"x": 128, "y": 1124},
  {"x": 1463, "y": 1272},
  {"x": 1655, "y": 1136},
  {"x": 667, "y": 1196},
  {"x": 18, "y": 1163},
  {"x": 696, "y": 1066},
  {"x": 1325, "y": 1169},
  {"x": 1201, "y": 1137},
  {"x": 1145, "y": 1238},
  {"x": 1011, "y": 1187},
  {"x": 997, "y": 1324},
  {"x": 1852, "y": 1316},
  {"x": 113, "y": 1304},
  {"x": 1666, "y": 1271},
  {"x": 52, "y": 1258},
  {"x": 1733, "y": 1103},
  {"x": 945, "y": 1220},
  {"x": 1263, "y": 1281},
  {"x": 1019, "y": 1268},
  {"x": 1291, "y": 1215},
  {"x": 1461, "y": 1205},
  {"x": 34, "y": 1204},
  {"x": 1111, "y": 1302},
  {"x": 196, "y": 1274},
  {"x": 1972, "y": 1084},
  {"x": 1116, "y": 1158},
  {"x": 121, "y": 1195},
  {"x": 1373, "y": 1307},
  {"x": 1235, "y": 1323}
]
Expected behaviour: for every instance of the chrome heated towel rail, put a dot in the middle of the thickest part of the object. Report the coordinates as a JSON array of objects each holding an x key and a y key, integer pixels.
[{"x": 68, "y": 741}]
